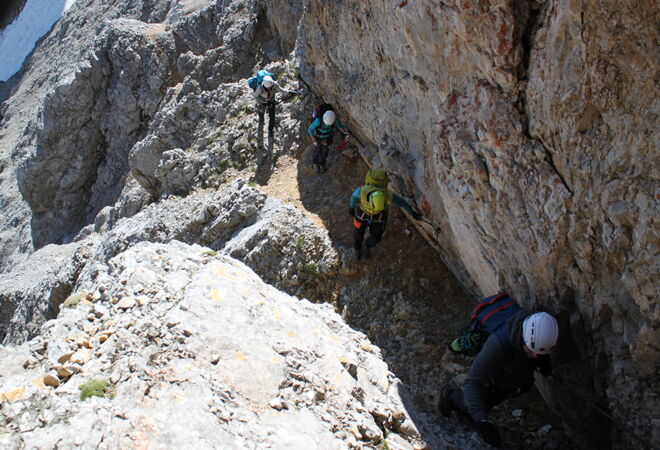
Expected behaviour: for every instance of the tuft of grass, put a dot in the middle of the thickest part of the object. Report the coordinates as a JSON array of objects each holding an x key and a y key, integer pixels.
[
  {"x": 300, "y": 242},
  {"x": 210, "y": 253},
  {"x": 96, "y": 387},
  {"x": 380, "y": 444},
  {"x": 311, "y": 269}
]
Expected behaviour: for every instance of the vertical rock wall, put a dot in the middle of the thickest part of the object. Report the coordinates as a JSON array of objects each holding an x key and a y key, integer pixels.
[{"x": 525, "y": 132}]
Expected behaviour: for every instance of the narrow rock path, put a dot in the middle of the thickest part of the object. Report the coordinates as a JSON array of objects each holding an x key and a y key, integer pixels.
[{"x": 406, "y": 300}]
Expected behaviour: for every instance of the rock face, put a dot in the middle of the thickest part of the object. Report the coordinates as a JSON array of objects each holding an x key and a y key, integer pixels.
[
  {"x": 207, "y": 352},
  {"x": 9, "y": 11},
  {"x": 284, "y": 247},
  {"x": 525, "y": 131},
  {"x": 33, "y": 292}
]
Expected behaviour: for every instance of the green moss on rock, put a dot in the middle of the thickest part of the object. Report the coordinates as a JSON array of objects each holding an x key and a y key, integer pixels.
[{"x": 96, "y": 387}]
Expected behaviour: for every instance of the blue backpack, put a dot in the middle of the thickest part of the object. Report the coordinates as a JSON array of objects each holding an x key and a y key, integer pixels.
[
  {"x": 256, "y": 80},
  {"x": 488, "y": 317}
]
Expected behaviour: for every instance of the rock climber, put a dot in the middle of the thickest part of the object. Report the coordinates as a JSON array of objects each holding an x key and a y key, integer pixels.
[
  {"x": 373, "y": 199},
  {"x": 503, "y": 369},
  {"x": 264, "y": 96},
  {"x": 322, "y": 130}
]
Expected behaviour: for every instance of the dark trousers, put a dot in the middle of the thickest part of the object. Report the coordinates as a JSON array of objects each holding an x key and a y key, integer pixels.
[
  {"x": 261, "y": 109},
  {"x": 376, "y": 230},
  {"x": 321, "y": 150},
  {"x": 491, "y": 397}
]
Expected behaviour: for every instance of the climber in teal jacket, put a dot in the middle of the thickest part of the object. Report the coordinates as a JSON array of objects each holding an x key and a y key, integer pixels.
[
  {"x": 368, "y": 208},
  {"x": 322, "y": 130}
]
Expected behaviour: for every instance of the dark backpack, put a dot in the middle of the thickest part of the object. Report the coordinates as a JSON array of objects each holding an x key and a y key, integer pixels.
[
  {"x": 488, "y": 317},
  {"x": 320, "y": 110},
  {"x": 256, "y": 80}
]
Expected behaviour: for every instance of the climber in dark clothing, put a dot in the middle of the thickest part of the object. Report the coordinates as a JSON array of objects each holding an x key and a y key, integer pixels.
[
  {"x": 503, "y": 369},
  {"x": 373, "y": 200}
]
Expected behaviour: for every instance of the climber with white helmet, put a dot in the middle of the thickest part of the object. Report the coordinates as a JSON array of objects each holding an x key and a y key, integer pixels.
[
  {"x": 373, "y": 199},
  {"x": 264, "y": 95},
  {"x": 504, "y": 368},
  {"x": 323, "y": 126}
]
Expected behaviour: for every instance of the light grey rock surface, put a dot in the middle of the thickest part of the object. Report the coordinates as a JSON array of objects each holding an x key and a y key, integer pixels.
[
  {"x": 278, "y": 241},
  {"x": 216, "y": 358},
  {"x": 33, "y": 291}
]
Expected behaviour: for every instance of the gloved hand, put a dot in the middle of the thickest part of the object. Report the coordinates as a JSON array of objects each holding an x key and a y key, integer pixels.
[
  {"x": 489, "y": 433},
  {"x": 415, "y": 215},
  {"x": 351, "y": 212},
  {"x": 316, "y": 143}
]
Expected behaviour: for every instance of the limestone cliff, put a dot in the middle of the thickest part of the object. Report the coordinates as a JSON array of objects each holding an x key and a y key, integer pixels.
[{"x": 527, "y": 132}]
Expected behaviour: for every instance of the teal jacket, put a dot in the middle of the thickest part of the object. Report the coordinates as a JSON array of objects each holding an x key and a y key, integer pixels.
[{"x": 321, "y": 130}]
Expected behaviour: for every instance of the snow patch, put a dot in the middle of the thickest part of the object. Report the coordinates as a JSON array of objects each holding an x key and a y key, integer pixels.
[{"x": 18, "y": 38}]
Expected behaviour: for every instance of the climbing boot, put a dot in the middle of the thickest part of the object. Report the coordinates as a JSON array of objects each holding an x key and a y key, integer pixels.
[
  {"x": 324, "y": 168},
  {"x": 317, "y": 168},
  {"x": 444, "y": 404},
  {"x": 455, "y": 346}
]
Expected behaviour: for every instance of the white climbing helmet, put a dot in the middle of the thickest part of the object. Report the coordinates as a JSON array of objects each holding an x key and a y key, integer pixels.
[
  {"x": 540, "y": 332},
  {"x": 329, "y": 117},
  {"x": 267, "y": 81}
]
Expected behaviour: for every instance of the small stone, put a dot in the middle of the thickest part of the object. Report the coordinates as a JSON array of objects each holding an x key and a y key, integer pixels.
[
  {"x": 187, "y": 333},
  {"x": 81, "y": 356},
  {"x": 51, "y": 379},
  {"x": 10, "y": 396},
  {"x": 408, "y": 428},
  {"x": 277, "y": 404},
  {"x": 215, "y": 359},
  {"x": 545, "y": 429},
  {"x": 142, "y": 300},
  {"x": 30, "y": 363},
  {"x": 103, "y": 338},
  {"x": 65, "y": 371},
  {"x": 126, "y": 303},
  {"x": 517, "y": 412},
  {"x": 100, "y": 311},
  {"x": 351, "y": 368},
  {"x": 91, "y": 317},
  {"x": 64, "y": 358}
]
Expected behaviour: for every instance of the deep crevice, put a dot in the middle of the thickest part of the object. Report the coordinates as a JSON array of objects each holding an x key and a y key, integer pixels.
[
  {"x": 551, "y": 161},
  {"x": 533, "y": 15}
]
